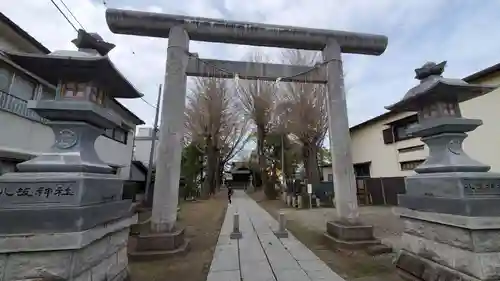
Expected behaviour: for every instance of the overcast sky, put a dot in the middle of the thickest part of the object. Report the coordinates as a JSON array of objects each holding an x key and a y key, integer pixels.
[{"x": 463, "y": 32}]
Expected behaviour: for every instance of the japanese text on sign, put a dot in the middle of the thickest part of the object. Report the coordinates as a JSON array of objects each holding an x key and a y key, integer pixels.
[{"x": 41, "y": 191}]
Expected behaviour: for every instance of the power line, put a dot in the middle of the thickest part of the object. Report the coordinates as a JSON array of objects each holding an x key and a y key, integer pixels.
[
  {"x": 142, "y": 98},
  {"x": 72, "y": 14},
  {"x": 60, "y": 11}
]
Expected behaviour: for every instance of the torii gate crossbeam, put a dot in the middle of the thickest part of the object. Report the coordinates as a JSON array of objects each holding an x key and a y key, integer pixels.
[{"x": 242, "y": 33}]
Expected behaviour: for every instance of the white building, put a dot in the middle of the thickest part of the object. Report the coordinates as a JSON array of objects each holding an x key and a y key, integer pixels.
[
  {"x": 24, "y": 134},
  {"x": 143, "y": 141}
]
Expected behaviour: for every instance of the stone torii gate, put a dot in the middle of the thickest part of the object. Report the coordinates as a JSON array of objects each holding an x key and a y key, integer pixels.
[{"x": 180, "y": 29}]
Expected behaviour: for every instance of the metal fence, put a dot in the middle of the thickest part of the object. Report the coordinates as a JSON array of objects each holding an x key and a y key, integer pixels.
[
  {"x": 19, "y": 107},
  {"x": 381, "y": 191},
  {"x": 370, "y": 191}
]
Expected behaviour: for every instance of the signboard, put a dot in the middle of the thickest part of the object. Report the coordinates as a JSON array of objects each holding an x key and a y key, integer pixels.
[
  {"x": 481, "y": 186},
  {"x": 309, "y": 188}
]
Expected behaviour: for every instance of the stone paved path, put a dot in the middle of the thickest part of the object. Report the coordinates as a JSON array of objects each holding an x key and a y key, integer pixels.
[{"x": 260, "y": 255}]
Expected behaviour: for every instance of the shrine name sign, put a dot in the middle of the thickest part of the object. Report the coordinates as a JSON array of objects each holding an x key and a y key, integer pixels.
[
  {"x": 61, "y": 193},
  {"x": 481, "y": 186}
]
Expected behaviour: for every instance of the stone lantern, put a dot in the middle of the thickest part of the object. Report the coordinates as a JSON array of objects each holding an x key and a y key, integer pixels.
[
  {"x": 450, "y": 213},
  {"x": 62, "y": 215}
]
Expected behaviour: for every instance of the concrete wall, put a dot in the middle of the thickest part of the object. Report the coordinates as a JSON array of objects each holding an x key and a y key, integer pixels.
[
  {"x": 368, "y": 146},
  {"x": 325, "y": 171},
  {"x": 143, "y": 148},
  {"x": 483, "y": 144}
]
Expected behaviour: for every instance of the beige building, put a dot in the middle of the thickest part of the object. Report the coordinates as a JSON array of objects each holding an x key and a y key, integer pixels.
[{"x": 380, "y": 147}]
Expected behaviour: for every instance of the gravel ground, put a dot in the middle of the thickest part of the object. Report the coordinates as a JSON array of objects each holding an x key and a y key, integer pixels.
[{"x": 388, "y": 226}]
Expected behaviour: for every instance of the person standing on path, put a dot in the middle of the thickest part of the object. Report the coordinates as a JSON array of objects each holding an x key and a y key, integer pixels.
[{"x": 229, "y": 193}]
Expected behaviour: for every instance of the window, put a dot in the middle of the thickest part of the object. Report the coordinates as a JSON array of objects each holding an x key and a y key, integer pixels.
[
  {"x": 401, "y": 131},
  {"x": 109, "y": 133},
  {"x": 5, "y": 78},
  {"x": 47, "y": 93},
  {"x": 120, "y": 135},
  {"x": 410, "y": 165},
  {"x": 388, "y": 136},
  {"x": 362, "y": 170},
  {"x": 74, "y": 90},
  {"x": 398, "y": 130},
  {"x": 411, "y": 148},
  {"x": 93, "y": 94},
  {"x": 22, "y": 88},
  {"x": 117, "y": 134},
  {"x": 100, "y": 97}
]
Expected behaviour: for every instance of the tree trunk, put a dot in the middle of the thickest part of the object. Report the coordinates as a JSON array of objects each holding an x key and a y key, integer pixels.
[
  {"x": 221, "y": 173},
  {"x": 209, "y": 181},
  {"x": 262, "y": 158},
  {"x": 218, "y": 175},
  {"x": 310, "y": 153},
  {"x": 287, "y": 168}
]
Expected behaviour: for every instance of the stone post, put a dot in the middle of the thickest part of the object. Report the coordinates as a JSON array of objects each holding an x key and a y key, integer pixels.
[
  {"x": 300, "y": 201},
  {"x": 166, "y": 192},
  {"x": 281, "y": 232},
  {"x": 236, "y": 234},
  {"x": 347, "y": 231}
]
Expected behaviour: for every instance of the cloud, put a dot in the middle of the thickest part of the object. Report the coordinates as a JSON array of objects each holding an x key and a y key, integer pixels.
[{"x": 459, "y": 31}]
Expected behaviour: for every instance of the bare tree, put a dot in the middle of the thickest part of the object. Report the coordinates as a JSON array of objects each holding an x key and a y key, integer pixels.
[
  {"x": 303, "y": 107},
  {"x": 257, "y": 98},
  {"x": 233, "y": 137},
  {"x": 208, "y": 112}
]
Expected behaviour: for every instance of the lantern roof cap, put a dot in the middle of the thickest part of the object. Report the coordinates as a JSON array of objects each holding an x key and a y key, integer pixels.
[{"x": 434, "y": 88}]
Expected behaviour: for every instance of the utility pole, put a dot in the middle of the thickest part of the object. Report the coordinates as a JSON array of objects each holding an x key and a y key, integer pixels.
[
  {"x": 283, "y": 157},
  {"x": 152, "y": 151}
]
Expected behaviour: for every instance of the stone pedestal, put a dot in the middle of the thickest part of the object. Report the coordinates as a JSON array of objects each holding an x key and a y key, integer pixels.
[
  {"x": 152, "y": 246},
  {"x": 454, "y": 247},
  {"x": 99, "y": 253},
  {"x": 289, "y": 200},
  {"x": 62, "y": 216},
  {"x": 452, "y": 226},
  {"x": 349, "y": 235}
]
